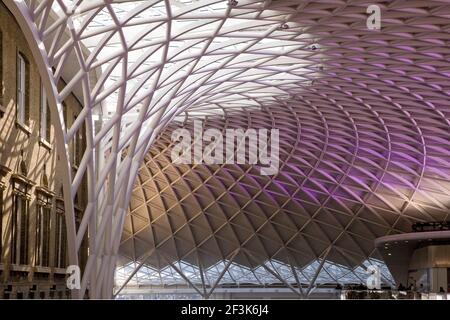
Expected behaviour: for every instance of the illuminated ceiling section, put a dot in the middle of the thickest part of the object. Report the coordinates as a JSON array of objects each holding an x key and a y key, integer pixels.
[
  {"x": 204, "y": 55},
  {"x": 364, "y": 114},
  {"x": 148, "y": 62},
  {"x": 364, "y": 150},
  {"x": 228, "y": 275}
]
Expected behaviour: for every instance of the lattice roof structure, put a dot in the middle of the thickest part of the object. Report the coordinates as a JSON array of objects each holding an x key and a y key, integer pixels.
[
  {"x": 226, "y": 274},
  {"x": 364, "y": 118}
]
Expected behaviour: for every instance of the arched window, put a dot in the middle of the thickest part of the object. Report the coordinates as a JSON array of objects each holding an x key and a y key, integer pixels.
[
  {"x": 44, "y": 207},
  {"x": 2, "y": 109},
  {"x": 43, "y": 213},
  {"x": 45, "y": 120},
  {"x": 20, "y": 217},
  {"x": 23, "y": 90},
  {"x": 60, "y": 235},
  {"x": 60, "y": 232},
  {"x": 77, "y": 145}
]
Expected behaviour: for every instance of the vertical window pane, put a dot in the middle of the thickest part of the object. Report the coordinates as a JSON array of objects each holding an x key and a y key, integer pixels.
[
  {"x": 19, "y": 231},
  {"x": 48, "y": 123},
  {"x": 43, "y": 116},
  {"x": 61, "y": 241},
  {"x": 46, "y": 238},
  {"x": 27, "y": 91},
  {"x": 1, "y": 224},
  {"x": 43, "y": 236},
  {"x": 23, "y": 84},
  {"x": 24, "y": 232},
  {"x": 38, "y": 235},
  {"x": 14, "y": 227},
  {"x": 21, "y": 88},
  {"x": 57, "y": 240}
]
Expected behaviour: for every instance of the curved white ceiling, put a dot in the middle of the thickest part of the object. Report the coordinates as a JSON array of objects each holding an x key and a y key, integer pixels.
[
  {"x": 365, "y": 112},
  {"x": 365, "y": 152},
  {"x": 197, "y": 55}
]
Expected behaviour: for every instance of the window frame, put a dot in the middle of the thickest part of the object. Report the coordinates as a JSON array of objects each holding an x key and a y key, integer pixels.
[
  {"x": 44, "y": 118},
  {"x": 43, "y": 228},
  {"x": 2, "y": 108},
  {"x": 77, "y": 145},
  {"x": 19, "y": 232},
  {"x": 20, "y": 219},
  {"x": 23, "y": 92},
  {"x": 60, "y": 253}
]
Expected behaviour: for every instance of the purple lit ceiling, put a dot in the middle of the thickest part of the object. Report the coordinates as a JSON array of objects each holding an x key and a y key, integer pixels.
[{"x": 364, "y": 148}]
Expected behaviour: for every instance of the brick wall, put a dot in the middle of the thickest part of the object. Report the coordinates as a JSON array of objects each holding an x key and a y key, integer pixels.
[{"x": 19, "y": 144}]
